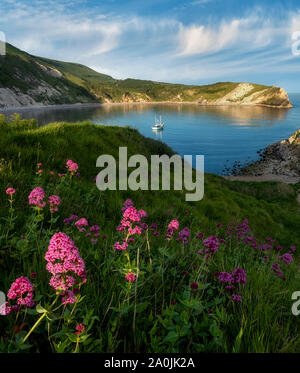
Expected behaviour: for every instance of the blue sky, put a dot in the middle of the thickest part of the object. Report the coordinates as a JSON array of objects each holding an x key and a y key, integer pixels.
[{"x": 194, "y": 42}]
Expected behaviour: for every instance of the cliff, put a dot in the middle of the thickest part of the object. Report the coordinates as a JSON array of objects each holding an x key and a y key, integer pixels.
[{"x": 279, "y": 162}]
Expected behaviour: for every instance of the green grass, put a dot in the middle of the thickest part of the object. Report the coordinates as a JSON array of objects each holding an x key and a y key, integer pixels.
[{"x": 144, "y": 317}]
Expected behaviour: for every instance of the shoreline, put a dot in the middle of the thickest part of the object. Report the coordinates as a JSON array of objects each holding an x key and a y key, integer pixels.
[
  {"x": 83, "y": 105},
  {"x": 59, "y": 106},
  {"x": 279, "y": 162}
]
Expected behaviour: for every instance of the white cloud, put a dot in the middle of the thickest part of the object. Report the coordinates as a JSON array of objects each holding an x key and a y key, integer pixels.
[{"x": 245, "y": 33}]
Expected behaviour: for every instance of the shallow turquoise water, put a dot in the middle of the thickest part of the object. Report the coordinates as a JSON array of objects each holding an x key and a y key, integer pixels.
[{"x": 224, "y": 134}]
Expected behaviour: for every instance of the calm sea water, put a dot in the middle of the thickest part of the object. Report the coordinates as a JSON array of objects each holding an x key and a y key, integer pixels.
[{"x": 224, "y": 134}]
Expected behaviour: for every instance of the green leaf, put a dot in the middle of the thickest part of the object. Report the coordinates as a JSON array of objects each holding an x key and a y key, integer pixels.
[
  {"x": 172, "y": 337},
  {"x": 40, "y": 309},
  {"x": 141, "y": 307}
]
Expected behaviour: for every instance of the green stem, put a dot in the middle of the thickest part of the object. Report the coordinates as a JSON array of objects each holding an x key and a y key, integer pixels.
[{"x": 34, "y": 326}]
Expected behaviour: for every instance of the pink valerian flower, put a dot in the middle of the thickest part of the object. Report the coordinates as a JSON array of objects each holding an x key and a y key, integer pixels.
[
  {"x": 239, "y": 276},
  {"x": 79, "y": 329},
  {"x": 194, "y": 286},
  {"x": 236, "y": 298},
  {"x": 68, "y": 297},
  {"x": 142, "y": 214},
  {"x": 153, "y": 227},
  {"x": 127, "y": 203},
  {"x": 172, "y": 227},
  {"x": 130, "y": 277},
  {"x": 144, "y": 226},
  {"x": 71, "y": 166},
  {"x": 94, "y": 233},
  {"x": 10, "y": 191},
  {"x": 293, "y": 249},
  {"x": 54, "y": 202},
  {"x": 36, "y": 197},
  {"x": 118, "y": 246},
  {"x": 211, "y": 244},
  {"x": 276, "y": 269},
  {"x": 121, "y": 228},
  {"x": 286, "y": 258},
  {"x": 22, "y": 290},
  {"x": 135, "y": 230},
  {"x": 65, "y": 265},
  {"x": 125, "y": 223},
  {"x": 131, "y": 214},
  {"x": 225, "y": 277},
  {"x": 184, "y": 235},
  {"x": 67, "y": 221},
  {"x": 81, "y": 224},
  {"x": 200, "y": 236},
  {"x": 130, "y": 224},
  {"x": 174, "y": 224}
]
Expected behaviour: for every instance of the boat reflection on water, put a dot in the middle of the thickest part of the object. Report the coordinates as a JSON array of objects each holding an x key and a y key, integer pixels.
[{"x": 158, "y": 134}]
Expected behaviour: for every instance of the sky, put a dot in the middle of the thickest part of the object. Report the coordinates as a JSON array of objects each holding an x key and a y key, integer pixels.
[{"x": 192, "y": 42}]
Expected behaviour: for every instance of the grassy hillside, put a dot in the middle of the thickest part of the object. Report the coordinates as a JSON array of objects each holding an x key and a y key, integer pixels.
[
  {"x": 54, "y": 82},
  {"x": 23, "y": 72},
  {"x": 176, "y": 303}
]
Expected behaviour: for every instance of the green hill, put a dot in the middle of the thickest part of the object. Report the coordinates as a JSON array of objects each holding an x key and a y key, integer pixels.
[{"x": 31, "y": 80}]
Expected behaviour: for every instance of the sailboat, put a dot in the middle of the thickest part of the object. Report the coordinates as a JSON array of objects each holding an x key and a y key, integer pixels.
[{"x": 158, "y": 126}]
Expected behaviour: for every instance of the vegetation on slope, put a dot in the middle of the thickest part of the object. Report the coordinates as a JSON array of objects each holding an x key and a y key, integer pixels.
[
  {"x": 22, "y": 71},
  {"x": 177, "y": 301}
]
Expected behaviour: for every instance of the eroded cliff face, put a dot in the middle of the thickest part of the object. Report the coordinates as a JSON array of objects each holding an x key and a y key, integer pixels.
[{"x": 247, "y": 94}]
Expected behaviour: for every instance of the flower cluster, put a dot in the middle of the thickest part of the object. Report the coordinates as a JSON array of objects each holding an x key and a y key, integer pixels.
[
  {"x": 238, "y": 276},
  {"x": 39, "y": 171},
  {"x": 211, "y": 245},
  {"x": 130, "y": 277},
  {"x": 127, "y": 203},
  {"x": 131, "y": 224},
  {"x": 93, "y": 234},
  {"x": 10, "y": 191},
  {"x": 184, "y": 235},
  {"x": 172, "y": 228},
  {"x": 67, "y": 221},
  {"x": 79, "y": 329},
  {"x": 276, "y": 269},
  {"x": 64, "y": 262},
  {"x": 286, "y": 258},
  {"x": 81, "y": 224},
  {"x": 21, "y": 290},
  {"x": 54, "y": 202},
  {"x": 36, "y": 197},
  {"x": 71, "y": 166}
]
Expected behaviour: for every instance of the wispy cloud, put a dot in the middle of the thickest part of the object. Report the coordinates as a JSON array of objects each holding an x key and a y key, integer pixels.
[{"x": 244, "y": 33}]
